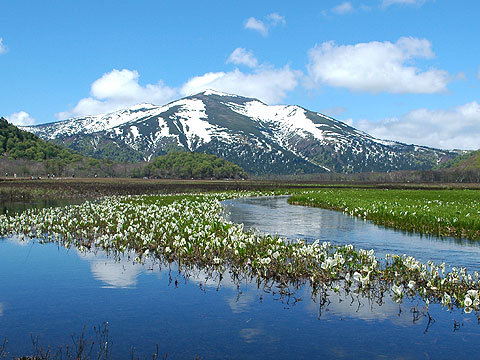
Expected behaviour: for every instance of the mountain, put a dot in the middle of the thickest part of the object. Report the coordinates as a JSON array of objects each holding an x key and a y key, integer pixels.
[
  {"x": 262, "y": 139},
  {"x": 469, "y": 161}
]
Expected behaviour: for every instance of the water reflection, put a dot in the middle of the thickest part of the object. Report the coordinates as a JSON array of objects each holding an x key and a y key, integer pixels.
[
  {"x": 54, "y": 294},
  {"x": 2, "y": 306},
  {"x": 20, "y": 206},
  {"x": 250, "y": 334},
  {"x": 275, "y": 216},
  {"x": 17, "y": 241},
  {"x": 120, "y": 272},
  {"x": 359, "y": 306}
]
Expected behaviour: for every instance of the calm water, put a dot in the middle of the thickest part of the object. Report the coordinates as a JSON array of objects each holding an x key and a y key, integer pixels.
[
  {"x": 276, "y": 216},
  {"x": 53, "y": 292}
]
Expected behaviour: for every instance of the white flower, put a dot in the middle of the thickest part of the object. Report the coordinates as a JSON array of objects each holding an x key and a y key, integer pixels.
[
  {"x": 473, "y": 293},
  {"x": 357, "y": 276},
  {"x": 447, "y": 299},
  {"x": 397, "y": 290}
]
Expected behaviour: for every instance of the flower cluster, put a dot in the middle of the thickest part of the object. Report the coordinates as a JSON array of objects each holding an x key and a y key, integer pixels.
[{"x": 190, "y": 230}]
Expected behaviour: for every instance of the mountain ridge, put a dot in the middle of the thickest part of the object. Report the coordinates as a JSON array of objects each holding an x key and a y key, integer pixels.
[{"x": 261, "y": 138}]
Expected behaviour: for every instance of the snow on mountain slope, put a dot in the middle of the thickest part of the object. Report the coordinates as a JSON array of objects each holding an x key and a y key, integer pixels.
[{"x": 258, "y": 137}]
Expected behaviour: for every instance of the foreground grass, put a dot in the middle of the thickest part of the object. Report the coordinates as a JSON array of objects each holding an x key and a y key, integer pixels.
[
  {"x": 189, "y": 230},
  {"x": 438, "y": 212}
]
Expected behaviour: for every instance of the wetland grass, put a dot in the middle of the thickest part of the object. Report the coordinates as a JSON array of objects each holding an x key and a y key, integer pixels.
[{"x": 438, "y": 212}]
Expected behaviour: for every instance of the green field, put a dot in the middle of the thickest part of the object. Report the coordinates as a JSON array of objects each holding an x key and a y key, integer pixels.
[{"x": 438, "y": 212}]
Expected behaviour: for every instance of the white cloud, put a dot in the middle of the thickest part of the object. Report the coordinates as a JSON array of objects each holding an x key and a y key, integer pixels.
[
  {"x": 456, "y": 128},
  {"x": 376, "y": 67},
  {"x": 343, "y": 8},
  {"x": 267, "y": 84},
  {"x": 386, "y": 3},
  {"x": 276, "y": 19},
  {"x": 241, "y": 56},
  {"x": 3, "y": 47},
  {"x": 256, "y": 25},
  {"x": 119, "y": 89},
  {"x": 21, "y": 118},
  {"x": 263, "y": 27}
]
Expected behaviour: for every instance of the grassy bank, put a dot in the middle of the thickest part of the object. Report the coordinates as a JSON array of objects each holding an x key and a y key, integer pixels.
[
  {"x": 89, "y": 188},
  {"x": 438, "y": 212}
]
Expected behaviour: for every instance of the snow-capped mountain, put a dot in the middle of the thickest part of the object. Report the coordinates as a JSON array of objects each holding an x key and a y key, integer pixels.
[{"x": 282, "y": 139}]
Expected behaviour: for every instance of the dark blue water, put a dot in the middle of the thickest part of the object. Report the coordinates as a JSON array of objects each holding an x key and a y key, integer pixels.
[{"x": 52, "y": 292}]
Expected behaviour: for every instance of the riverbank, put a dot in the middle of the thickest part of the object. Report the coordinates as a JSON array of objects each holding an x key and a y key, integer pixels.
[
  {"x": 24, "y": 189},
  {"x": 454, "y": 212}
]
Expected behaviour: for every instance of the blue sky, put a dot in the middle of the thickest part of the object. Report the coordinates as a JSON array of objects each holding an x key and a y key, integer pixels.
[{"x": 405, "y": 70}]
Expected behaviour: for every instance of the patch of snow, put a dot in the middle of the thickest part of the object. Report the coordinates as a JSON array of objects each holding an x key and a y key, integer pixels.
[
  {"x": 383, "y": 142},
  {"x": 135, "y": 132},
  {"x": 287, "y": 118},
  {"x": 218, "y": 93},
  {"x": 326, "y": 117},
  {"x": 192, "y": 117}
]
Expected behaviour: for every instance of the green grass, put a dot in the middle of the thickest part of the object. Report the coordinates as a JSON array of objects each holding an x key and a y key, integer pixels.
[{"x": 438, "y": 212}]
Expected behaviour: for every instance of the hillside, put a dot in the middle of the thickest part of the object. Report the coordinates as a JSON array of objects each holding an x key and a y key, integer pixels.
[
  {"x": 262, "y": 139},
  {"x": 466, "y": 162},
  {"x": 25, "y": 154},
  {"x": 188, "y": 165},
  {"x": 19, "y": 144}
]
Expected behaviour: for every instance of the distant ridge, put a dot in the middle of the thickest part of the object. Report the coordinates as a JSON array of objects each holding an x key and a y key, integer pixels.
[{"x": 262, "y": 139}]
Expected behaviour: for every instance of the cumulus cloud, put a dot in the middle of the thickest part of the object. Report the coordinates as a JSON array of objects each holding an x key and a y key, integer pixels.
[
  {"x": 267, "y": 84},
  {"x": 386, "y": 3},
  {"x": 241, "y": 56},
  {"x": 455, "y": 128},
  {"x": 376, "y": 67},
  {"x": 21, "y": 118},
  {"x": 3, "y": 47},
  {"x": 256, "y": 25},
  {"x": 343, "y": 8},
  {"x": 119, "y": 89},
  {"x": 263, "y": 27}
]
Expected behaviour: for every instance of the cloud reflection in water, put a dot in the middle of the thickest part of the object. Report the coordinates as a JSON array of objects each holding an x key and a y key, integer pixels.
[{"x": 114, "y": 272}]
